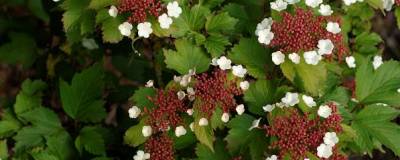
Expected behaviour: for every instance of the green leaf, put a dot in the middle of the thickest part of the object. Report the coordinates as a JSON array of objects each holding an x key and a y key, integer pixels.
[
  {"x": 216, "y": 121},
  {"x": 220, "y": 153},
  {"x": 259, "y": 94},
  {"x": 309, "y": 77},
  {"x": 251, "y": 54},
  {"x": 99, "y": 4},
  {"x": 220, "y": 22},
  {"x": 215, "y": 44},
  {"x": 30, "y": 97},
  {"x": 397, "y": 14},
  {"x": 190, "y": 20},
  {"x": 109, "y": 26},
  {"x": 27, "y": 138},
  {"x": 3, "y": 149},
  {"x": 81, "y": 99},
  {"x": 373, "y": 122},
  {"x": 212, "y": 3},
  {"x": 366, "y": 43},
  {"x": 61, "y": 145},
  {"x": 241, "y": 140},
  {"x": 133, "y": 136},
  {"x": 8, "y": 124},
  {"x": 380, "y": 86},
  {"x": 43, "y": 118},
  {"x": 187, "y": 57},
  {"x": 15, "y": 53},
  {"x": 91, "y": 140},
  {"x": 204, "y": 134},
  {"x": 36, "y": 6},
  {"x": 141, "y": 97}
]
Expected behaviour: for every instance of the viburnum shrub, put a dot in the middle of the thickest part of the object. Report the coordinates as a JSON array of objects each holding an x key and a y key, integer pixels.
[{"x": 199, "y": 79}]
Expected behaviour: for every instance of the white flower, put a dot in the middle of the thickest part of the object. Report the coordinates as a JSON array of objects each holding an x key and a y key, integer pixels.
[
  {"x": 125, "y": 28},
  {"x": 134, "y": 112},
  {"x": 173, "y": 9},
  {"x": 149, "y": 83},
  {"x": 89, "y": 44},
  {"x": 224, "y": 63},
  {"x": 181, "y": 95},
  {"x": 278, "y": 5},
  {"x": 225, "y": 117},
  {"x": 313, "y": 3},
  {"x": 180, "y": 131},
  {"x": 331, "y": 139},
  {"x": 290, "y": 99},
  {"x": 164, "y": 21},
  {"x": 349, "y": 2},
  {"x": 324, "y": 151},
  {"x": 266, "y": 23},
  {"x": 190, "y": 91},
  {"x": 309, "y": 101},
  {"x": 279, "y": 104},
  {"x": 273, "y": 157},
  {"x": 146, "y": 131},
  {"x": 398, "y": 90},
  {"x": 325, "y": 10},
  {"x": 333, "y": 27},
  {"x": 113, "y": 11},
  {"x": 177, "y": 78},
  {"x": 278, "y": 57},
  {"x": 240, "y": 109},
  {"x": 185, "y": 80},
  {"x": 377, "y": 62},
  {"x": 387, "y": 4},
  {"x": 265, "y": 36},
  {"x": 268, "y": 108},
  {"x": 292, "y": 1},
  {"x": 312, "y": 57},
  {"x": 214, "y": 62},
  {"x": 144, "y": 29},
  {"x": 351, "y": 62},
  {"x": 203, "y": 122},
  {"x": 295, "y": 58},
  {"x": 244, "y": 85},
  {"x": 325, "y": 46},
  {"x": 191, "y": 126},
  {"x": 255, "y": 124},
  {"x": 189, "y": 112},
  {"x": 140, "y": 155},
  {"x": 239, "y": 71},
  {"x": 56, "y": 0},
  {"x": 324, "y": 111}
]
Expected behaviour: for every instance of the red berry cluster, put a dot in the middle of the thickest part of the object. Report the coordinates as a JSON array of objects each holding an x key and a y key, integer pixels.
[
  {"x": 166, "y": 112},
  {"x": 298, "y": 134},
  {"x": 139, "y": 9},
  {"x": 216, "y": 90},
  {"x": 397, "y": 2},
  {"x": 302, "y": 30},
  {"x": 160, "y": 147}
]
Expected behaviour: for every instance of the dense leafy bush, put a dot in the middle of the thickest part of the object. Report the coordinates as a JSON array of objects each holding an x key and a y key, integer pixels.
[{"x": 187, "y": 79}]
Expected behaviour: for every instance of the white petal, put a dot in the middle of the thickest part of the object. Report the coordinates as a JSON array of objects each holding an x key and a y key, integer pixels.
[
  {"x": 203, "y": 122},
  {"x": 224, "y": 63},
  {"x": 313, "y": 3},
  {"x": 377, "y": 61},
  {"x": 225, "y": 117},
  {"x": 325, "y": 10},
  {"x": 324, "y": 151},
  {"x": 240, "y": 109},
  {"x": 278, "y": 57},
  {"x": 295, "y": 58},
  {"x": 146, "y": 131},
  {"x": 324, "y": 111},
  {"x": 244, "y": 85},
  {"x": 113, "y": 11},
  {"x": 180, "y": 131},
  {"x": 351, "y": 62},
  {"x": 309, "y": 101},
  {"x": 255, "y": 124},
  {"x": 312, "y": 57},
  {"x": 239, "y": 71},
  {"x": 268, "y": 108},
  {"x": 134, "y": 112},
  {"x": 333, "y": 27}
]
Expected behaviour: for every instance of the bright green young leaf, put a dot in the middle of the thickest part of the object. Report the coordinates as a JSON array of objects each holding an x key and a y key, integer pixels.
[
  {"x": 220, "y": 22},
  {"x": 3, "y": 149},
  {"x": 30, "y": 96},
  {"x": 216, "y": 121},
  {"x": 204, "y": 134},
  {"x": 187, "y": 57},
  {"x": 99, "y": 4},
  {"x": 216, "y": 43},
  {"x": 253, "y": 56},
  {"x": 91, "y": 140},
  {"x": 134, "y": 136},
  {"x": 192, "y": 19},
  {"x": 109, "y": 26},
  {"x": 82, "y": 98},
  {"x": 141, "y": 97},
  {"x": 309, "y": 77},
  {"x": 380, "y": 86}
]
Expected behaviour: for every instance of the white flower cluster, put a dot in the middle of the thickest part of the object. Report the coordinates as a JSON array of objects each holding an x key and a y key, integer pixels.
[
  {"x": 350, "y": 2},
  {"x": 140, "y": 155},
  {"x": 273, "y": 157},
  {"x": 238, "y": 70},
  {"x": 263, "y": 31},
  {"x": 377, "y": 61},
  {"x": 325, "y": 47},
  {"x": 325, "y": 149},
  {"x": 144, "y": 28},
  {"x": 290, "y": 99},
  {"x": 324, "y": 111}
]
